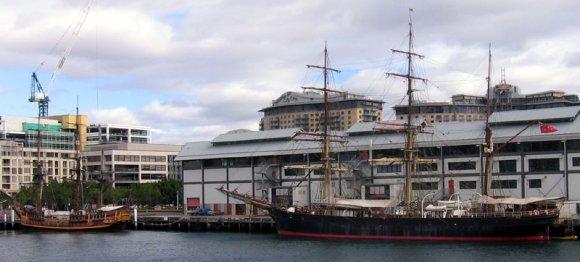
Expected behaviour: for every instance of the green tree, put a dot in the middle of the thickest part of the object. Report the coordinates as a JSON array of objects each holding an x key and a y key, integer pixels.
[
  {"x": 169, "y": 188},
  {"x": 145, "y": 194}
]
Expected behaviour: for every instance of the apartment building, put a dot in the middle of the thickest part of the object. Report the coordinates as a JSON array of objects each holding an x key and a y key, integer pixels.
[
  {"x": 468, "y": 108},
  {"x": 116, "y": 133},
  {"x": 125, "y": 164},
  {"x": 305, "y": 111}
]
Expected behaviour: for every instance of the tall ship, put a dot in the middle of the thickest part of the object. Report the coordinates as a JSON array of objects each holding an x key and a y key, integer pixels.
[
  {"x": 481, "y": 218},
  {"x": 77, "y": 219}
]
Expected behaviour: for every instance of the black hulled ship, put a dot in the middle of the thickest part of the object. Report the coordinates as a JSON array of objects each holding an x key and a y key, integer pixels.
[{"x": 482, "y": 218}]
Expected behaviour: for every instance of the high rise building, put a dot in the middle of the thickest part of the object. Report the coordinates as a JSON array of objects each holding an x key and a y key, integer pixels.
[
  {"x": 19, "y": 152},
  {"x": 468, "y": 108},
  {"x": 305, "y": 111},
  {"x": 114, "y": 133}
]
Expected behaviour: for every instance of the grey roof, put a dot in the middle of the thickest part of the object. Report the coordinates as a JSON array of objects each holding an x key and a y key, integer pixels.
[
  {"x": 238, "y": 136},
  {"x": 309, "y": 97},
  {"x": 544, "y": 114},
  {"x": 360, "y": 137}
]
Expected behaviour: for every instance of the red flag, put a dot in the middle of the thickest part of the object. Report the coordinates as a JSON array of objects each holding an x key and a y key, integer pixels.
[{"x": 545, "y": 128}]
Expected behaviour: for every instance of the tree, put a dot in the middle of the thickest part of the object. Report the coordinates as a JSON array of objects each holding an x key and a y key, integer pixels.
[{"x": 169, "y": 188}]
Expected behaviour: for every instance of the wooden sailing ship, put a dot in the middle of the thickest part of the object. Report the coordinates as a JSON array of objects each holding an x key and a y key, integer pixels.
[
  {"x": 36, "y": 217},
  {"x": 484, "y": 219}
]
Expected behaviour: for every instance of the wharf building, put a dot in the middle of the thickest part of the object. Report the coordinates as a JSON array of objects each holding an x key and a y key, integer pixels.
[
  {"x": 469, "y": 108},
  {"x": 305, "y": 111},
  {"x": 253, "y": 162}
]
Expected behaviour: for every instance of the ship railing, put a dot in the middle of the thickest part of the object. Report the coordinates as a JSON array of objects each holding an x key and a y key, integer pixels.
[{"x": 518, "y": 214}]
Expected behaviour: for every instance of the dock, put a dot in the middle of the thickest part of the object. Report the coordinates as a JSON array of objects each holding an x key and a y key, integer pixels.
[
  {"x": 259, "y": 224},
  {"x": 176, "y": 221},
  {"x": 188, "y": 223}
]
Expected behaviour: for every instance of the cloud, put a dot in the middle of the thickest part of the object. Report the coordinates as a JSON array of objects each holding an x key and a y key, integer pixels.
[
  {"x": 194, "y": 69},
  {"x": 119, "y": 115}
]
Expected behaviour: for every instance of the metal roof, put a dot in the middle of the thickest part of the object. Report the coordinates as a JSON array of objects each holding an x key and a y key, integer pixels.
[
  {"x": 238, "y": 136},
  {"x": 544, "y": 114},
  {"x": 362, "y": 137}
]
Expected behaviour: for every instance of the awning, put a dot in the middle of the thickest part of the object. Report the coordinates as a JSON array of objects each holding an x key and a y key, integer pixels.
[
  {"x": 360, "y": 203},
  {"x": 515, "y": 201}
]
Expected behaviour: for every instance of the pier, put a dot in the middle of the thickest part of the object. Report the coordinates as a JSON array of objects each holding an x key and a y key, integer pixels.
[
  {"x": 188, "y": 223},
  {"x": 176, "y": 221}
]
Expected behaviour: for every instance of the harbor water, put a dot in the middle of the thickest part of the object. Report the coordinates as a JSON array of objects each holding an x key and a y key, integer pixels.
[{"x": 133, "y": 245}]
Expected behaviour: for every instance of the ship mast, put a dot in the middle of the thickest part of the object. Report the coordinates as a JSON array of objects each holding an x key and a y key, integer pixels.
[
  {"x": 488, "y": 146},
  {"x": 325, "y": 137},
  {"x": 411, "y": 131},
  {"x": 39, "y": 169},
  {"x": 78, "y": 160}
]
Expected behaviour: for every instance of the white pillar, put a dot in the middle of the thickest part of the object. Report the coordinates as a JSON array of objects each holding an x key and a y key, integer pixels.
[{"x": 135, "y": 217}]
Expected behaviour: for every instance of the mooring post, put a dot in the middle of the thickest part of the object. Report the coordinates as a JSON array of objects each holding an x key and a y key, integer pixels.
[{"x": 135, "y": 217}]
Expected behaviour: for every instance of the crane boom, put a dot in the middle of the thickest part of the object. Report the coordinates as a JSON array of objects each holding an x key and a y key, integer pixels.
[{"x": 37, "y": 92}]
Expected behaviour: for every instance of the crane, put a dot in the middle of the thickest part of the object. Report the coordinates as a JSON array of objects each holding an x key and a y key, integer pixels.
[{"x": 37, "y": 92}]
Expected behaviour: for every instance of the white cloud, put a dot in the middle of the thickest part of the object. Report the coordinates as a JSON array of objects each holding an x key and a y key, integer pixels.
[
  {"x": 118, "y": 115},
  {"x": 194, "y": 69}
]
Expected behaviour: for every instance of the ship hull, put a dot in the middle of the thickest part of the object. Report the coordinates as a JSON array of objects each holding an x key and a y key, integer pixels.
[
  {"x": 69, "y": 227},
  {"x": 524, "y": 228},
  {"x": 91, "y": 221}
]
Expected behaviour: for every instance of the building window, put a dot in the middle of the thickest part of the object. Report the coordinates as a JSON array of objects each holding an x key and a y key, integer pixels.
[
  {"x": 378, "y": 192},
  {"x": 576, "y": 161},
  {"x": 467, "y": 165},
  {"x": 394, "y": 168},
  {"x": 153, "y": 159},
  {"x": 294, "y": 172},
  {"x": 545, "y": 164},
  {"x": 507, "y": 184},
  {"x": 507, "y": 166},
  {"x": 467, "y": 184},
  {"x": 127, "y": 158},
  {"x": 535, "y": 183},
  {"x": 426, "y": 167},
  {"x": 425, "y": 186},
  {"x": 93, "y": 158}
]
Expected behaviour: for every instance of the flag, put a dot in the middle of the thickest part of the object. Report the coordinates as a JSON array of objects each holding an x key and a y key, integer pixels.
[{"x": 545, "y": 128}]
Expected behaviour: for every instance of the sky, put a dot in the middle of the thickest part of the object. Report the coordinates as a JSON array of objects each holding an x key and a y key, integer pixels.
[{"x": 194, "y": 69}]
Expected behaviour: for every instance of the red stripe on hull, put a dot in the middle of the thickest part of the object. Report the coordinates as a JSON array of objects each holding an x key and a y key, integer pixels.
[{"x": 428, "y": 238}]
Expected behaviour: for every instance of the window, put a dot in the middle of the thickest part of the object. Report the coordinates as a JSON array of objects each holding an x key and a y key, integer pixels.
[
  {"x": 496, "y": 184},
  {"x": 468, "y": 165},
  {"x": 192, "y": 165},
  {"x": 461, "y": 150},
  {"x": 545, "y": 164},
  {"x": 152, "y": 167},
  {"x": 394, "y": 168},
  {"x": 378, "y": 192},
  {"x": 576, "y": 161},
  {"x": 467, "y": 184},
  {"x": 535, "y": 183},
  {"x": 425, "y": 167},
  {"x": 153, "y": 159},
  {"x": 543, "y": 146},
  {"x": 294, "y": 172},
  {"x": 507, "y": 166},
  {"x": 425, "y": 186},
  {"x": 127, "y": 158},
  {"x": 93, "y": 158}
]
